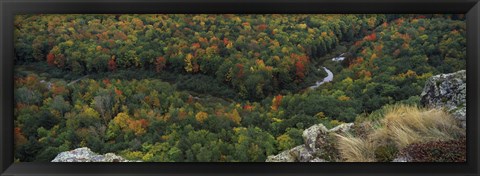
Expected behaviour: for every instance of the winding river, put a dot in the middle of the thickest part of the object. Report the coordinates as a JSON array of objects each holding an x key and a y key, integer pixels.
[
  {"x": 330, "y": 74},
  {"x": 325, "y": 80}
]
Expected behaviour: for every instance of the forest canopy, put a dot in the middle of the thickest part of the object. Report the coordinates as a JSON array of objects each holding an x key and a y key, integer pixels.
[{"x": 215, "y": 87}]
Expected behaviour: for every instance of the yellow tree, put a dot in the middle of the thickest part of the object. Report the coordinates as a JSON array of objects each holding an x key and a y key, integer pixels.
[
  {"x": 188, "y": 63},
  {"x": 235, "y": 117},
  {"x": 201, "y": 116}
]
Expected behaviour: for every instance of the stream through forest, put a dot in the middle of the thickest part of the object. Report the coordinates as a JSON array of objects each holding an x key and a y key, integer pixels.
[{"x": 330, "y": 74}]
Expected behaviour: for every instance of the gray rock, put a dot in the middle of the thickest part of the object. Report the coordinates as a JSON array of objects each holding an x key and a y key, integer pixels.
[
  {"x": 281, "y": 157},
  {"x": 309, "y": 151},
  {"x": 342, "y": 128},
  {"x": 447, "y": 91},
  {"x": 310, "y": 136},
  {"x": 86, "y": 155},
  {"x": 402, "y": 159},
  {"x": 318, "y": 160},
  {"x": 301, "y": 153},
  {"x": 296, "y": 154}
]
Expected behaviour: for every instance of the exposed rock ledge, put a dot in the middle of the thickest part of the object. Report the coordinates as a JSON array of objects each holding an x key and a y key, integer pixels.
[
  {"x": 312, "y": 150},
  {"x": 447, "y": 91},
  {"x": 86, "y": 155}
]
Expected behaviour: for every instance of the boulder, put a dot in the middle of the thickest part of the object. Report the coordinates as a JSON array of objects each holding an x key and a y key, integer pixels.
[
  {"x": 314, "y": 137},
  {"x": 342, "y": 128},
  {"x": 86, "y": 155},
  {"x": 310, "y": 136},
  {"x": 447, "y": 91},
  {"x": 281, "y": 157},
  {"x": 301, "y": 153}
]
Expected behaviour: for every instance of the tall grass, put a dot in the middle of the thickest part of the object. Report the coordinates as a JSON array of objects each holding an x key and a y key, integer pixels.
[
  {"x": 401, "y": 126},
  {"x": 353, "y": 149},
  {"x": 405, "y": 125}
]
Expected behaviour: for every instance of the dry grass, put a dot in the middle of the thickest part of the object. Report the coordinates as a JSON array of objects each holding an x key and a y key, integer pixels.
[
  {"x": 405, "y": 125},
  {"x": 354, "y": 149},
  {"x": 402, "y": 125}
]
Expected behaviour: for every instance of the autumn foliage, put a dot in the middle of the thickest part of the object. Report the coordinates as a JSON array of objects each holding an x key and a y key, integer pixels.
[
  {"x": 127, "y": 124},
  {"x": 160, "y": 63},
  {"x": 240, "y": 73},
  {"x": 51, "y": 59},
  {"x": 112, "y": 65},
  {"x": 371, "y": 37},
  {"x": 300, "y": 62},
  {"x": 209, "y": 87},
  {"x": 277, "y": 100},
  {"x": 19, "y": 137},
  {"x": 201, "y": 116}
]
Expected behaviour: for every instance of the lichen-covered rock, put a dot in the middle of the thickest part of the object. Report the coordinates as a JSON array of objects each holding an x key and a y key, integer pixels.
[
  {"x": 301, "y": 153},
  {"x": 310, "y": 135},
  {"x": 327, "y": 147},
  {"x": 284, "y": 156},
  {"x": 447, "y": 91},
  {"x": 342, "y": 128},
  {"x": 312, "y": 150},
  {"x": 86, "y": 155},
  {"x": 296, "y": 154}
]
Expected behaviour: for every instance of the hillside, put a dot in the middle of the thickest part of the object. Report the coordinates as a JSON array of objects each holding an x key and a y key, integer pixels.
[
  {"x": 402, "y": 134},
  {"x": 219, "y": 88}
]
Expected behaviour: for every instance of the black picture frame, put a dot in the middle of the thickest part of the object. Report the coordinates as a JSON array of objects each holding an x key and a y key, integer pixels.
[{"x": 9, "y": 8}]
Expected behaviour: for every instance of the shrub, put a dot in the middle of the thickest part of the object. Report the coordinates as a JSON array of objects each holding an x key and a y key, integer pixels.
[
  {"x": 132, "y": 155},
  {"x": 385, "y": 153},
  {"x": 437, "y": 151}
]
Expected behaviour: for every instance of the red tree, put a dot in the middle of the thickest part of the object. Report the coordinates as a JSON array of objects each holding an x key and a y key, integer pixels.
[
  {"x": 106, "y": 82},
  {"x": 300, "y": 69},
  {"x": 51, "y": 59},
  {"x": 225, "y": 41},
  {"x": 240, "y": 70},
  {"x": 372, "y": 37},
  {"x": 277, "y": 100},
  {"x": 160, "y": 63},
  {"x": 112, "y": 65},
  {"x": 196, "y": 45},
  {"x": 118, "y": 91},
  {"x": 262, "y": 27},
  {"x": 300, "y": 62},
  {"x": 19, "y": 138},
  {"x": 248, "y": 107}
]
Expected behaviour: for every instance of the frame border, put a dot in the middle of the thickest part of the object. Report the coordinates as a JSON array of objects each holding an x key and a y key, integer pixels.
[{"x": 9, "y": 8}]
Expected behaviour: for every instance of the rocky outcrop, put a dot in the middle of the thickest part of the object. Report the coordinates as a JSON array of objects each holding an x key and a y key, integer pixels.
[
  {"x": 316, "y": 145},
  {"x": 310, "y": 136},
  {"x": 284, "y": 156},
  {"x": 447, "y": 91},
  {"x": 86, "y": 155},
  {"x": 342, "y": 128}
]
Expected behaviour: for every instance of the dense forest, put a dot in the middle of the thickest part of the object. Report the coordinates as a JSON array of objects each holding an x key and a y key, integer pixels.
[{"x": 217, "y": 88}]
